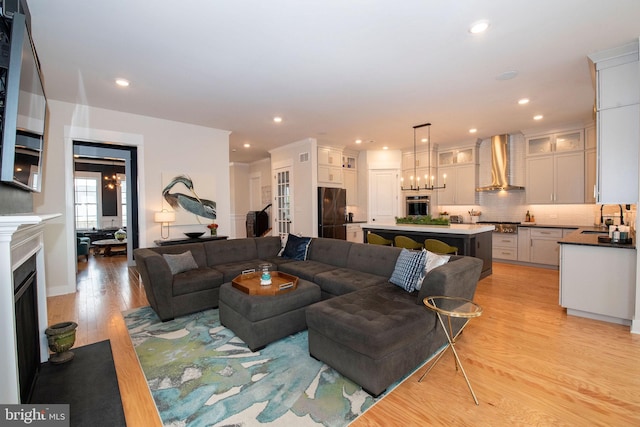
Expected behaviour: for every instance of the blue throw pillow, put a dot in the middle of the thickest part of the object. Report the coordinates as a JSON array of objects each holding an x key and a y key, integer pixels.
[
  {"x": 296, "y": 247},
  {"x": 409, "y": 270}
]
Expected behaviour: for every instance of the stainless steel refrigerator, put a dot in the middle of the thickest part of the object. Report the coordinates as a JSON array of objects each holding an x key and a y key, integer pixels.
[{"x": 332, "y": 209}]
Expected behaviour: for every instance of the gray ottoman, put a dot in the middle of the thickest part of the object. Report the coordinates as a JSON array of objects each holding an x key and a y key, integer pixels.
[{"x": 259, "y": 320}]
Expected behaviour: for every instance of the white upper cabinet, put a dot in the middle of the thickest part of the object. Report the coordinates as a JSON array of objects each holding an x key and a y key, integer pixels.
[
  {"x": 555, "y": 178},
  {"x": 456, "y": 156},
  {"x": 618, "y": 123},
  {"x": 329, "y": 167},
  {"x": 618, "y": 86},
  {"x": 556, "y": 142},
  {"x": 461, "y": 185},
  {"x": 555, "y": 168},
  {"x": 618, "y": 139}
]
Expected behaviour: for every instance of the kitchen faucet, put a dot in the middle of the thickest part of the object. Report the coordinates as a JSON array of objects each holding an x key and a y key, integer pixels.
[{"x": 621, "y": 215}]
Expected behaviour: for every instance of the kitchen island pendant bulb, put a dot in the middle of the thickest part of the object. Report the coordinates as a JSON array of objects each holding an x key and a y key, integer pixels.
[{"x": 428, "y": 183}]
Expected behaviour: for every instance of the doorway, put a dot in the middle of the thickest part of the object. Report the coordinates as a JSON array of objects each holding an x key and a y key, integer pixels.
[{"x": 116, "y": 195}]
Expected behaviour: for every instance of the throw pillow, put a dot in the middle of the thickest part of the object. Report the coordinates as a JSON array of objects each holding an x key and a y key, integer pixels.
[
  {"x": 433, "y": 260},
  {"x": 179, "y": 263},
  {"x": 409, "y": 270},
  {"x": 296, "y": 247}
]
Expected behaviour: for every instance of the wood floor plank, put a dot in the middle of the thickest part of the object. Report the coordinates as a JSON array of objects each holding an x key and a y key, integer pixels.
[{"x": 528, "y": 362}]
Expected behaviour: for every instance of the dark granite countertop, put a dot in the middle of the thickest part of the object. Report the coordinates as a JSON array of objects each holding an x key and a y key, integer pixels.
[
  {"x": 591, "y": 239},
  {"x": 538, "y": 225}
]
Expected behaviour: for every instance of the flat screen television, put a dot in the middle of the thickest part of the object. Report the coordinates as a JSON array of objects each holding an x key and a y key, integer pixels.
[{"x": 23, "y": 121}]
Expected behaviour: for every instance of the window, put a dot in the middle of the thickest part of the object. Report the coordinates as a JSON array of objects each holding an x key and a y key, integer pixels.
[{"x": 87, "y": 192}]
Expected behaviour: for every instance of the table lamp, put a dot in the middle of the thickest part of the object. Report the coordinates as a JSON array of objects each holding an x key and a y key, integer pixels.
[{"x": 164, "y": 217}]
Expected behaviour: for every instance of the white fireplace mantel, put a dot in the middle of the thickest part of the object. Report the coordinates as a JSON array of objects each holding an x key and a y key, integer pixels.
[{"x": 21, "y": 236}]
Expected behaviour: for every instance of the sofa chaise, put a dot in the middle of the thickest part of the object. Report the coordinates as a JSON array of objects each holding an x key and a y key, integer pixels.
[{"x": 368, "y": 329}]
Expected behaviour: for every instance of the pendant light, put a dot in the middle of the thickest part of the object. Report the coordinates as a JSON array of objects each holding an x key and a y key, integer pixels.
[{"x": 428, "y": 179}]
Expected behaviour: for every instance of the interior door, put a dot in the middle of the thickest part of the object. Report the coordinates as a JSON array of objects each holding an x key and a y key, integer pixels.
[
  {"x": 383, "y": 195},
  {"x": 282, "y": 201}
]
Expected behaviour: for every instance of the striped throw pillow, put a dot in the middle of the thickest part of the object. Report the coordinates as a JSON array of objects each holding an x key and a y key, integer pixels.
[{"x": 409, "y": 270}]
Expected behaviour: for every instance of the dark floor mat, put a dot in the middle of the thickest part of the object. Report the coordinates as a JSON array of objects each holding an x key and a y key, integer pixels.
[{"x": 88, "y": 384}]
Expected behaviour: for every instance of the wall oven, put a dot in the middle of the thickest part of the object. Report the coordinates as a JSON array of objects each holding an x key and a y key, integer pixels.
[{"x": 418, "y": 205}]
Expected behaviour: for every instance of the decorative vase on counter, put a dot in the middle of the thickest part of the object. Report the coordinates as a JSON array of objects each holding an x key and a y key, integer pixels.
[
  {"x": 120, "y": 235},
  {"x": 60, "y": 338}
]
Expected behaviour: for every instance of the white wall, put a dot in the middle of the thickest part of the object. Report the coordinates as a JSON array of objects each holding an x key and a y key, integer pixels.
[
  {"x": 163, "y": 146},
  {"x": 303, "y": 183},
  {"x": 239, "y": 186}
]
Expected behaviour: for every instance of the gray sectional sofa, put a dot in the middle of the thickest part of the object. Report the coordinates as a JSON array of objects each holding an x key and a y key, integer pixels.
[{"x": 368, "y": 329}]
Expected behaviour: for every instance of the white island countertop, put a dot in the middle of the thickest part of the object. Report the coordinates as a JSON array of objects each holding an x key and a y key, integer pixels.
[{"x": 448, "y": 229}]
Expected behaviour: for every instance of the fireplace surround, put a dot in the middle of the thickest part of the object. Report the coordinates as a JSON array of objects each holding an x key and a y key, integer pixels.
[{"x": 21, "y": 239}]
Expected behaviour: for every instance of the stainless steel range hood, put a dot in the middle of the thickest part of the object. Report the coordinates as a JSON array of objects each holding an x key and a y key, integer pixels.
[{"x": 500, "y": 166}]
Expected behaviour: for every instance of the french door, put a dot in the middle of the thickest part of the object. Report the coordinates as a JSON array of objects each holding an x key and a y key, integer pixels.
[{"x": 282, "y": 219}]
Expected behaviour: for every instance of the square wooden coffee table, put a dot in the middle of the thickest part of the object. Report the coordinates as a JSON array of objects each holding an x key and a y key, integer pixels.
[{"x": 249, "y": 283}]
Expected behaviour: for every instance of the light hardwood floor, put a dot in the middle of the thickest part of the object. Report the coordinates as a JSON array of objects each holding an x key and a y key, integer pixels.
[{"x": 528, "y": 362}]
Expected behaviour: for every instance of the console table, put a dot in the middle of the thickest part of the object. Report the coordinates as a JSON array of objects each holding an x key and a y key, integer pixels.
[{"x": 181, "y": 241}]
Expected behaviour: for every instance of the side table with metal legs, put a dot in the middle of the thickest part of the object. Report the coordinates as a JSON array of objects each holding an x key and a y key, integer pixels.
[{"x": 452, "y": 307}]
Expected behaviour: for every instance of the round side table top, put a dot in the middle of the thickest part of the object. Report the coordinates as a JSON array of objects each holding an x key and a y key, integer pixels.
[{"x": 453, "y": 306}]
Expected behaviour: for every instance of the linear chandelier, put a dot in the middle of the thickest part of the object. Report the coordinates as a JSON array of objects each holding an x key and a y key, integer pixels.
[{"x": 428, "y": 178}]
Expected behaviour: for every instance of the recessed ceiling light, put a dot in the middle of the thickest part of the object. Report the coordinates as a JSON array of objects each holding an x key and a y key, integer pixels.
[
  {"x": 474, "y": 130},
  {"x": 424, "y": 140},
  {"x": 523, "y": 101},
  {"x": 122, "y": 82},
  {"x": 385, "y": 148},
  {"x": 538, "y": 117},
  {"x": 479, "y": 27},
  {"x": 247, "y": 145},
  {"x": 358, "y": 141},
  {"x": 277, "y": 119}
]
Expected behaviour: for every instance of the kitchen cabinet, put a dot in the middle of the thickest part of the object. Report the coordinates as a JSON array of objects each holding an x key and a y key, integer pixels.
[
  {"x": 524, "y": 244},
  {"x": 590, "y": 162},
  {"x": 421, "y": 160},
  {"x": 329, "y": 167},
  {"x": 544, "y": 246},
  {"x": 505, "y": 246},
  {"x": 456, "y": 156},
  {"x": 409, "y": 180},
  {"x": 618, "y": 140},
  {"x": 350, "y": 183},
  {"x": 354, "y": 233},
  {"x": 618, "y": 127},
  {"x": 598, "y": 282},
  {"x": 555, "y": 178},
  {"x": 539, "y": 245},
  {"x": 555, "y": 143},
  {"x": 618, "y": 85},
  {"x": 461, "y": 181},
  {"x": 411, "y": 172},
  {"x": 350, "y": 176}
]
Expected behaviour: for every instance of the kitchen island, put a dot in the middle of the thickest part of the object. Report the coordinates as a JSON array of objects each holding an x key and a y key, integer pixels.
[
  {"x": 470, "y": 239},
  {"x": 597, "y": 280}
]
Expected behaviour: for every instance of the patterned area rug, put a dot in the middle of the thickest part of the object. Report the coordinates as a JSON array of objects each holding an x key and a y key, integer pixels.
[{"x": 201, "y": 374}]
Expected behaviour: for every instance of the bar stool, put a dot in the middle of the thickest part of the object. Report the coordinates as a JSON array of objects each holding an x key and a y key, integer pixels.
[
  {"x": 376, "y": 239},
  {"x": 439, "y": 247},
  {"x": 406, "y": 242}
]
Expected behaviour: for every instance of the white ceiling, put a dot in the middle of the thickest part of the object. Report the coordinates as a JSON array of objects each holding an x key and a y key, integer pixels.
[{"x": 335, "y": 70}]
